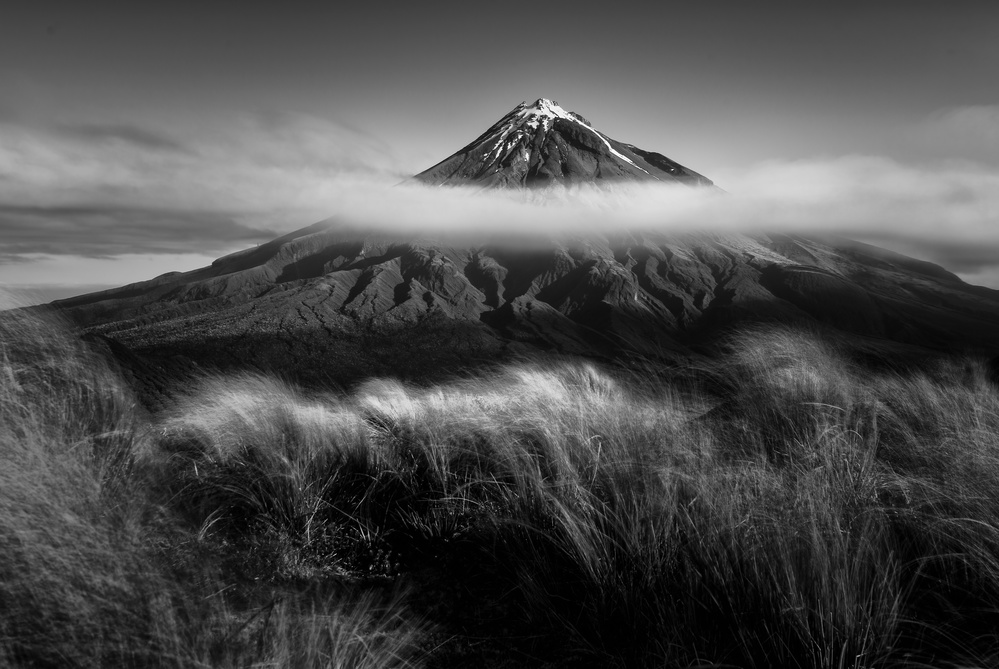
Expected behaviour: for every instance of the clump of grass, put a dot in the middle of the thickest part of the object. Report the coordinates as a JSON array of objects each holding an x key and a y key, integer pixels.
[
  {"x": 71, "y": 579},
  {"x": 315, "y": 627},
  {"x": 360, "y": 633},
  {"x": 94, "y": 573}
]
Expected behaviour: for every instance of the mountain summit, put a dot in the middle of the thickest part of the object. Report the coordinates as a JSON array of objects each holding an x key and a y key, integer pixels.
[{"x": 541, "y": 144}]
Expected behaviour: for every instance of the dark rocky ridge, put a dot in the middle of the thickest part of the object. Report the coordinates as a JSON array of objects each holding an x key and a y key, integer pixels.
[{"x": 328, "y": 305}]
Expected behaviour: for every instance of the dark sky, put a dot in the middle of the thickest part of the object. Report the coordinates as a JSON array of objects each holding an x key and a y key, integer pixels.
[{"x": 173, "y": 133}]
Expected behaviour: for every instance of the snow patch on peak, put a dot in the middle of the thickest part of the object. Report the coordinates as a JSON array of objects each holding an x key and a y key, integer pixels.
[
  {"x": 525, "y": 120},
  {"x": 549, "y": 109},
  {"x": 546, "y": 107}
]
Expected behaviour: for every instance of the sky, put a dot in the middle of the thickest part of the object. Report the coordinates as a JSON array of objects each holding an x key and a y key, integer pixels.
[{"x": 142, "y": 138}]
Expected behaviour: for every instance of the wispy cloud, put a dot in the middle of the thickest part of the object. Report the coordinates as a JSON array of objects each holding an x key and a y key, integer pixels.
[
  {"x": 96, "y": 231},
  {"x": 113, "y": 189},
  {"x": 970, "y": 132},
  {"x": 857, "y": 195},
  {"x": 139, "y": 137},
  {"x": 947, "y": 212}
]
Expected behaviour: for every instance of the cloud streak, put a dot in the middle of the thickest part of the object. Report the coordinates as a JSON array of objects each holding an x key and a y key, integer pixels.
[
  {"x": 946, "y": 213},
  {"x": 125, "y": 133},
  {"x": 109, "y": 231},
  {"x": 948, "y": 207},
  {"x": 113, "y": 189},
  {"x": 971, "y": 132}
]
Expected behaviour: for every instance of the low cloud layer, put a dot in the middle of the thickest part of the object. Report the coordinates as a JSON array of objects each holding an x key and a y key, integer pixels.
[
  {"x": 97, "y": 231},
  {"x": 947, "y": 213},
  {"x": 109, "y": 190}
]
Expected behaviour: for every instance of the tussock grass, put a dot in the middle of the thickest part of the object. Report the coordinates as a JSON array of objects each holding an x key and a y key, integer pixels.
[
  {"x": 796, "y": 509},
  {"x": 816, "y": 515},
  {"x": 69, "y": 578},
  {"x": 93, "y": 573}
]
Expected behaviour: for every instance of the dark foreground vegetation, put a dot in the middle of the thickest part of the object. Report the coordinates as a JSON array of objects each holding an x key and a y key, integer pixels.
[{"x": 783, "y": 507}]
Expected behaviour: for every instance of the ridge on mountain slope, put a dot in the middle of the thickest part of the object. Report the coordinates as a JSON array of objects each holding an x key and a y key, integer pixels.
[
  {"x": 328, "y": 304},
  {"x": 542, "y": 144},
  {"x": 323, "y": 306}
]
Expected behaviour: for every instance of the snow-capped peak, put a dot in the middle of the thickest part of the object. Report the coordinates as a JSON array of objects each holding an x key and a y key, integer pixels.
[
  {"x": 547, "y": 107},
  {"x": 543, "y": 142},
  {"x": 549, "y": 110}
]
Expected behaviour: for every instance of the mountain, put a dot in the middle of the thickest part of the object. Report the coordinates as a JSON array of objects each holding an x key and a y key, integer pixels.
[
  {"x": 328, "y": 305},
  {"x": 542, "y": 144}
]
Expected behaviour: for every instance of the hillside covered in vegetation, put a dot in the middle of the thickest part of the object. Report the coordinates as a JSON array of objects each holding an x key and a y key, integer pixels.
[{"x": 787, "y": 504}]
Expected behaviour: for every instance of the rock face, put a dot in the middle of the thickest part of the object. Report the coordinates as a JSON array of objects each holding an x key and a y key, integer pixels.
[
  {"x": 327, "y": 305},
  {"x": 542, "y": 144}
]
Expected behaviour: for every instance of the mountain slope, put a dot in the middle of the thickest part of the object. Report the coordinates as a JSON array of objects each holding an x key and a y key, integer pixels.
[
  {"x": 322, "y": 305},
  {"x": 542, "y": 144}
]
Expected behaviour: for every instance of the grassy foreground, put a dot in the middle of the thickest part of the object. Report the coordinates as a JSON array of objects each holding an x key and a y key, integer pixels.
[{"x": 804, "y": 512}]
